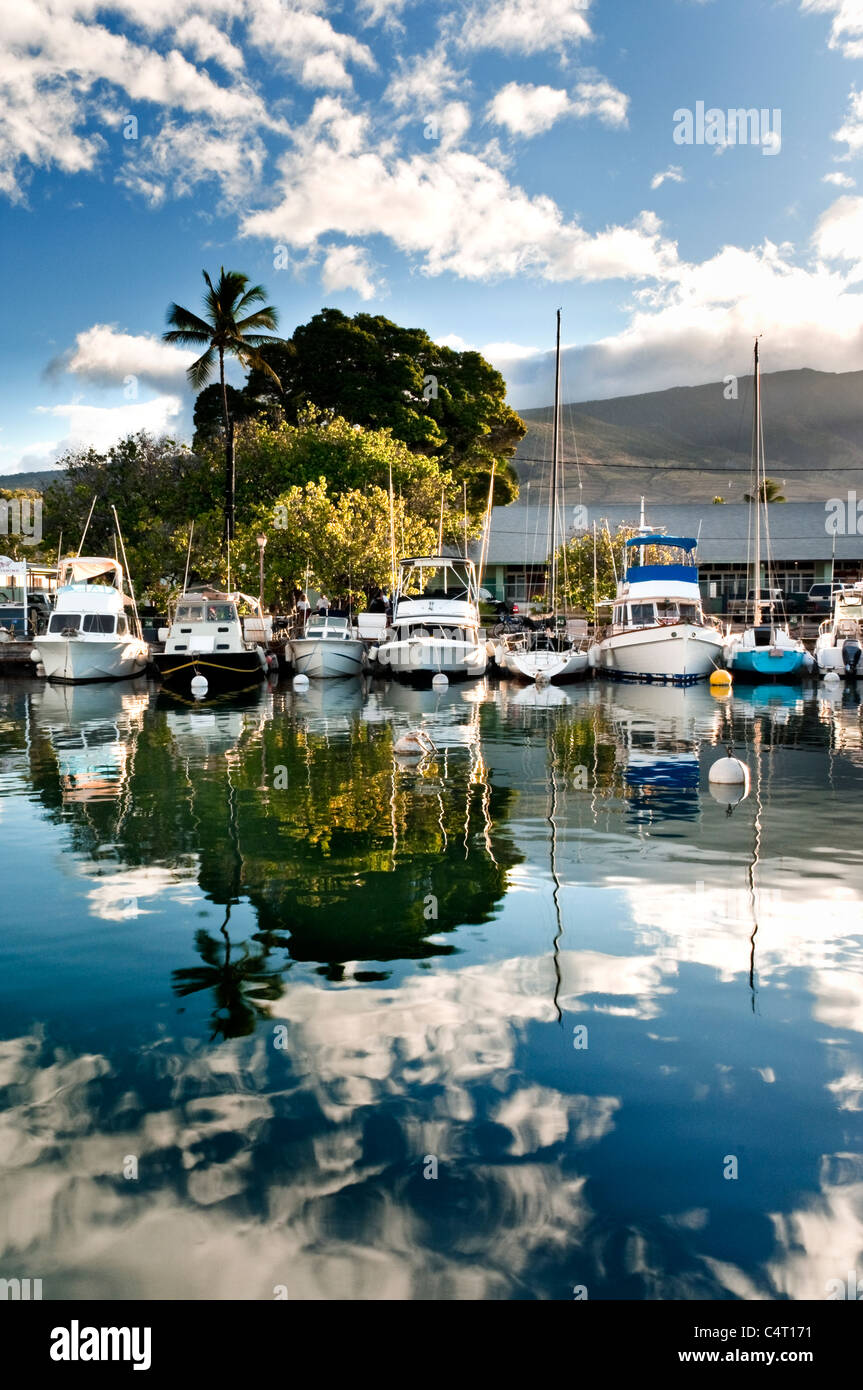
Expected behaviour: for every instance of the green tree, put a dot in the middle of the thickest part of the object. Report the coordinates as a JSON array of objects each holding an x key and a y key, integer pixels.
[
  {"x": 446, "y": 404},
  {"x": 769, "y": 491},
  {"x": 232, "y": 327},
  {"x": 575, "y": 567}
]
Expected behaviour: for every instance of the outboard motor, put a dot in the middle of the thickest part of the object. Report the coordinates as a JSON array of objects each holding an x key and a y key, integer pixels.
[{"x": 851, "y": 654}]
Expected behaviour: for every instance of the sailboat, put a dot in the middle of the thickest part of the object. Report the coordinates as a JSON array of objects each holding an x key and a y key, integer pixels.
[
  {"x": 550, "y": 655},
  {"x": 765, "y": 649}
]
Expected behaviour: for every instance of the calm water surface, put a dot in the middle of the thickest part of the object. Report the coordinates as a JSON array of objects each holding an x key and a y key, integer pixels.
[{"x": 277, "y": 1009}]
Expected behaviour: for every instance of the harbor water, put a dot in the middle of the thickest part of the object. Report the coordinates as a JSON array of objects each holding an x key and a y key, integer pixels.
[{"x": 284, "y": 1014}]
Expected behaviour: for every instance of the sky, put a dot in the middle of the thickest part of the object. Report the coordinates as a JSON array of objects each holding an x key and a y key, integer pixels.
[{"x": 467, "y": 167}]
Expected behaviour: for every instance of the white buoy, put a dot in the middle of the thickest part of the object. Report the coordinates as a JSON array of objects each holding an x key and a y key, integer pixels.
[
  {"x": 729, "y": 794},
  {"x": 440, "y": 681},
  {"x": 832, "y": 678},
  {"x": 729, "y": 772},
  {"x": 541, "y": 680},
  {"x": 301, "y": 682},
  {"x": 36, "y": 656},
  {"x": 200, "y": 686}
]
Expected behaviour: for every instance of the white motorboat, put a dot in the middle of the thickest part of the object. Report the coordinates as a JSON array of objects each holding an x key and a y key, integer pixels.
[
  {"x": 658, "y": 629},
  {"x": 765, "y": 650},
  {"x": 435, "y": 624},
  {"x": 94, "y": 633},
  {"x": 554, "y": 653},
  {"x": 208, "y": 637},
  {"x": 839, "y": 645},
  {"x": 329, "y": 647}
]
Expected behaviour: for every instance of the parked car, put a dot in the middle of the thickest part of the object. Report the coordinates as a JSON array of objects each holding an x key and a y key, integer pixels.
[{"x": 820, "y": 597}]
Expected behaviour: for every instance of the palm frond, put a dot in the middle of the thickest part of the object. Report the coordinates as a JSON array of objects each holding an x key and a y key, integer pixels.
[
  {"x": 201, "y": 370},
  {"x": 187, "y": 322},
  {"x": 261, "y": 318}
]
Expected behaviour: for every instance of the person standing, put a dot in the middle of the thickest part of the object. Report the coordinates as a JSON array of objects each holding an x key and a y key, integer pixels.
[{"x": 304, "y": 608}]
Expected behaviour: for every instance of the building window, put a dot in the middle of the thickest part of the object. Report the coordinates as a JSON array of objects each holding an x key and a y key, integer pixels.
[{"x": 522, "y": 582}]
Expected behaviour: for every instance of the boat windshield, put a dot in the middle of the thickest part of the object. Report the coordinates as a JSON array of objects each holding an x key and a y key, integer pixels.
[
  {"x": 61, "y": 621},
  {"x": 214, "y": 612}
]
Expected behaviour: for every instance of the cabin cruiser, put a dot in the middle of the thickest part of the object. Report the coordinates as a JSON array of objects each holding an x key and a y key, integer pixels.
[
  {"x": 328, "y": 647},
  {"x": 839, "y": 645},
  {"x": 658, "y": 630},
  {"x": 93, "y": 633},
  {"x": 209, "y": 638},
  {"x": 435, "y": 623}
]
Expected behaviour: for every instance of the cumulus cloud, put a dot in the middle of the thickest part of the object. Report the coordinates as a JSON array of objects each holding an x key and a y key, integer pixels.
[
  {"x": 448, "y": 208},
  {"x": 838, "y": 179},
  {"x": 526, "y": 26},
  {"x": 850, "y": 133},
  {"x": 596, "y": 96},
  {"x": 348, "y": 268},
  {"x": 99, "y": 427},
  {"x": 846, "y": 24},
  {"x": 528, "y": 110},
  {"x": 105, "y": 356},
  {"x": 699, "y": 327}
]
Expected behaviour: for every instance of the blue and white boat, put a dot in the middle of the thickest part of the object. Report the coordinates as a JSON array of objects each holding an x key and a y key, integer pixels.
[
  {"x": 765, "y": 650},
  {"x": 658, "y": 630}
]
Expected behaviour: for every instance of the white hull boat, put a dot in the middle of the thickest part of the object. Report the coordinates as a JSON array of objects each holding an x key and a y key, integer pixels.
[
  {"x": 328, "y": 650},
  {"x": 839, "y": 646},
  {"x": 658, "y": 630},
  {"x": 435, "y": 625},
  {"x": 547, "y": 665},
  {"x": 90, "y": 635},
  {"x": 92, "y": 659}
]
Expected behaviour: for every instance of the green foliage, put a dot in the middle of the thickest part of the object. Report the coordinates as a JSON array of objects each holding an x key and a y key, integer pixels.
[
  {"x": 768, "y": 491},
  {"x": 373, "y": 373},
  {"x": 575, "y": 561}
]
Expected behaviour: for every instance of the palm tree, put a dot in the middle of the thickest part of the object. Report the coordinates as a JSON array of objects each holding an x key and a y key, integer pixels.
[
  {"x": 768, "y": 492},
  {"x": 228, "y": 328}
]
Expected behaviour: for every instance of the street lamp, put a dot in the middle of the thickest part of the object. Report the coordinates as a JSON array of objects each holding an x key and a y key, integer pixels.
[{"x": 262, "y": 541}]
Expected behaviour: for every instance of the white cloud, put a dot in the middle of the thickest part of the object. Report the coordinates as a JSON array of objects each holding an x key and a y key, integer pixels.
[
  {"x": 528, "y": 110},
  {"x": 839, "y": 180},
  {"x": 846, "y": 26},
  {"x": 526, "y": 26},
  {"x": 206, "y": 41},
  {"x": 596, "y": 96},
  {"x": 851, "y": 132},
  {"x": 180, "y": 157},
  {"x": 673, "y": 174},
  {"x": 101, "y": 426},
  {"x": 348, "y": 268},
  {"x": 839, "y": 231},
  {"x": 449, "y": 208},
  {"x": 423, "y": 81},
  {"x": 105, "y": 356}
]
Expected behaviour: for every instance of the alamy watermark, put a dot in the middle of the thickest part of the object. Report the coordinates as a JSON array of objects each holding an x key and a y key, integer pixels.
[
  {"x": 22, "y": 517},
  {"x": 736, "y": 126},
  {"x": 844, "y": 515}
]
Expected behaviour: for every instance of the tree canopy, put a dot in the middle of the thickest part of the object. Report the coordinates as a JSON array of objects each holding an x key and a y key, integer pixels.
[{"x": 371, "y": 372}]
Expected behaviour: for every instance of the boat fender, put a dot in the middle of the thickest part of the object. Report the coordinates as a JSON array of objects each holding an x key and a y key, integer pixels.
[
  {"x": 729, "y": 771},
  {"x": 440, "y": 681},
  {"x": 720, "y": 678},
  {"x": 200, "y": 686},
  {"x": 301, "y": 682}
]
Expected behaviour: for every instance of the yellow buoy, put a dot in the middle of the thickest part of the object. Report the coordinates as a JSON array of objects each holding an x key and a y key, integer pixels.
[{"x": 720, "y": 679}]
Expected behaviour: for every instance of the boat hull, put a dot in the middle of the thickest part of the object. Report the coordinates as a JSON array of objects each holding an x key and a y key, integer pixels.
[
  {"x": 551, "y": 666},
  {"x": 419, "y": 659},
  {"x": 326, "y": 659},
  {"x": 681, "y": 654},
  {"x": 230, "y": 671},
  {"x": 768, "y": 664},
  {"x": 70, "y": 660}
]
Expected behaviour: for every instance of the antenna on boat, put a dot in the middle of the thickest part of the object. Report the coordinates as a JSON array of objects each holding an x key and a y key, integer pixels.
[
  {"x": 188, "y": 558},
  {"x": 126, "y": 569},
  {"x": 392, "y": 535},
  {"x": 464, "y": 493},
  {"x": 440, "y": 527},
  {"x": 87, "y": 526}
]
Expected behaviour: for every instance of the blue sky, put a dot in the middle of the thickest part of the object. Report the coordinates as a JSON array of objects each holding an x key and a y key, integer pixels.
[{"x": 466, "y": 166}]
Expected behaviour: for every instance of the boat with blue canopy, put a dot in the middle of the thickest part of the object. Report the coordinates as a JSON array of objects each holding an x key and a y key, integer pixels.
[{"x": 658, "y": 630}]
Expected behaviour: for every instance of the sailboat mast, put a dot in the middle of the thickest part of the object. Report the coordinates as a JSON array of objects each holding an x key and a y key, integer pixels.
[
  {"x": 555, "y": 464},
  {"x": 756, "y": 438}
]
